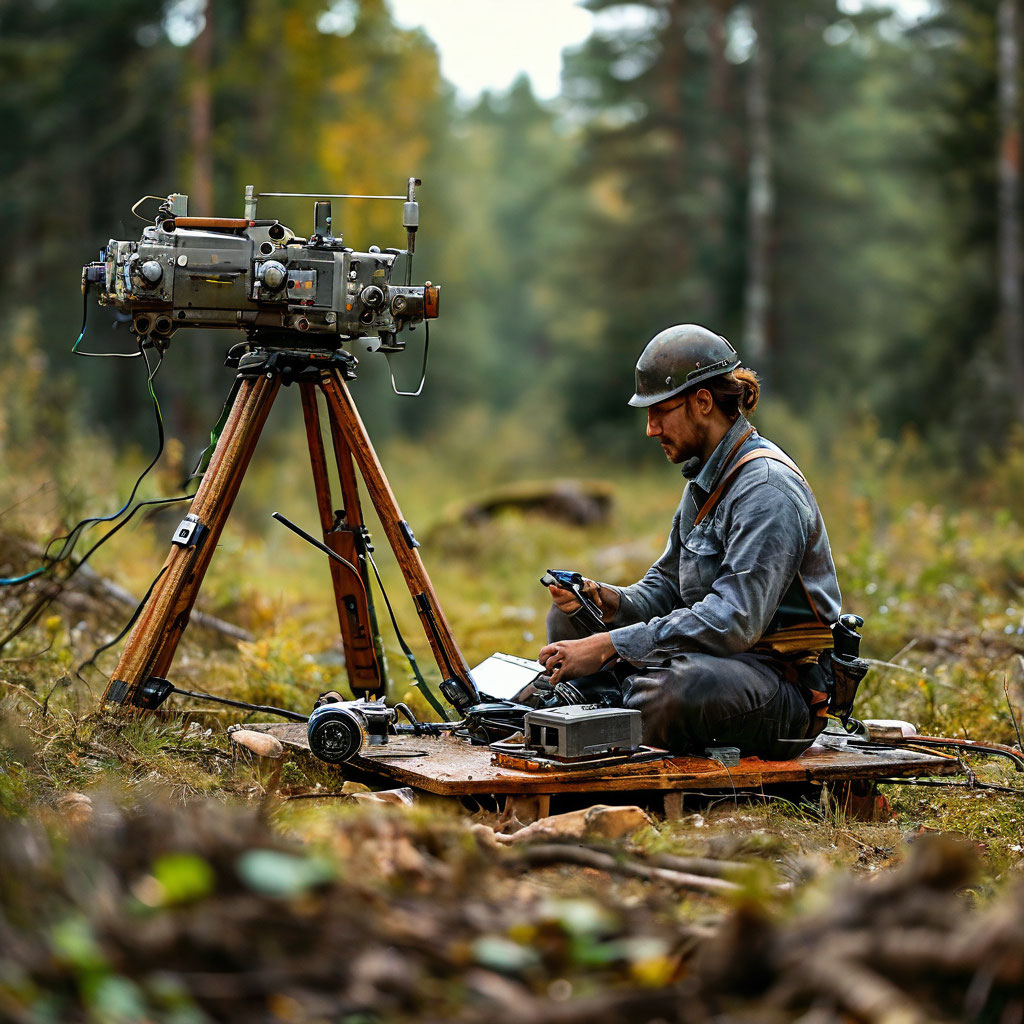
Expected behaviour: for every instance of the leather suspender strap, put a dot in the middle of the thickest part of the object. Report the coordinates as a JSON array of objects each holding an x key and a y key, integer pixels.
[
  {"x": 716, "y": 496},
  {"x": 739, "y": 444},
  {"x": 732, "y": 452},
  {"x": 757, "y": 453}
]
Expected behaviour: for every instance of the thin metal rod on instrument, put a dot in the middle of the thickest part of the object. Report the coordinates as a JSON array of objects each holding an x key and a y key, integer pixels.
[
  {"x": 321, "y": 195},
  {"x": 312, "y": 540}
]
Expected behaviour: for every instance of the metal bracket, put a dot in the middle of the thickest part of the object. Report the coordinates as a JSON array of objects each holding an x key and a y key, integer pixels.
[
  {"x": 190, "y": 532},
  {"x": 360, "y": 533},
  {"x": 117, "y": 691},
  {"x": 293, "y": 365}
]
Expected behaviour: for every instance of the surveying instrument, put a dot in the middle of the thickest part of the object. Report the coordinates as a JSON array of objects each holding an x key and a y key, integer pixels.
[{"x": 300, "y": 301}]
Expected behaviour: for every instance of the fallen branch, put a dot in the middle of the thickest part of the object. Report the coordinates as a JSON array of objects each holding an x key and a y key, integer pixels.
[
  {"x": 917, "y": 673},
  {"x": 85, "y": 582},
  {"x": 93, "y": 581},
  {"x": 545, "y": 854},
  {"x": 317, "y": 796},
  {"x": 210, "y": 751},
  {"x": 21, "y": 689},
  {"x": 697, "y": 865}
]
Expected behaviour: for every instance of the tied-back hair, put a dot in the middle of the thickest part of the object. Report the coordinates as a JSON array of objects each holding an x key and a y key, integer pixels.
[{"x": 735, "y": 392}]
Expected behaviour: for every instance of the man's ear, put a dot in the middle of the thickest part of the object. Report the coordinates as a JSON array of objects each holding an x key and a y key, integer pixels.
[{"x": 704, "y": 401}]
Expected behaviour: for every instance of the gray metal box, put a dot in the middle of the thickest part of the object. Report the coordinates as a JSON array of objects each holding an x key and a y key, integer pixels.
[{"x": 582, "y": 730}]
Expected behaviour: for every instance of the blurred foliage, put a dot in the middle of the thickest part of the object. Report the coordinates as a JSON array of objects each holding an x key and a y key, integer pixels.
[{"x": 564, "y": 233}]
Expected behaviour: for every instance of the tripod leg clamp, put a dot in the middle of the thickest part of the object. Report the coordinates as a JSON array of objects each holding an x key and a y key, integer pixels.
[
  {"x": 410, "y": 537},
  {"x": 117, "y": 691},
  {"x": 149, "y": 696},
  {"x": 190, "y": 532}
]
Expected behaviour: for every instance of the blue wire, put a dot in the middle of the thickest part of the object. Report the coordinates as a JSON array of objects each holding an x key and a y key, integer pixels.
[{"x": 9, "y": 581}]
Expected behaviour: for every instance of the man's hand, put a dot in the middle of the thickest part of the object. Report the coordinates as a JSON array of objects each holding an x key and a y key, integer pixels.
[
  {"x": 604, "y": 597},
  {"x": 570, "y": 659}
]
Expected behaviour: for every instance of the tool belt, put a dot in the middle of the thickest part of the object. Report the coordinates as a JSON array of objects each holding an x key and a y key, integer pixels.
[
  {"x": 824, "y": 663},
  {"x": 790, "y": 642},
  {"x": 827, "y": 678},
  {"x": 805, "y": 651}
]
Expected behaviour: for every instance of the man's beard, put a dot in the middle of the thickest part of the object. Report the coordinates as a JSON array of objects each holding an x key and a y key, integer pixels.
[{"x": 689, "y": 464}]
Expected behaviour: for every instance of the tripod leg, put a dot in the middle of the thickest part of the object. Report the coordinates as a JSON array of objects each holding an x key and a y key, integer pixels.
[
  {"x": 343, "y": 534},
  {"x": 435, "y": 626},
  {"x": 150, "y": 646}
]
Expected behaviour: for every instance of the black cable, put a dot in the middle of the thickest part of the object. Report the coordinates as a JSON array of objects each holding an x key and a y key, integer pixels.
[
  {"x": 97, "y": 355},
  {"x": 69, "y": 540},
  {"x": 46, "y": 600},
  {"x": 72, "y": 538},
  {"x": 131, "y": 622},
  {"x": 124, "y": 522},
  {"x": 423, "y": 368},
  {"x": 48, "y": 560},
  {"x": 347, "y": 564},
  {"x": 944, "y": 784},
  {"x": 204, "y": 456},
  {"x": 421, "y": 683},
  {"x": 294, "y": 716}
]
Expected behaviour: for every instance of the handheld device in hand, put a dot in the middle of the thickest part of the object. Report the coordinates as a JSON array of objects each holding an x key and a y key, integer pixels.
[{"x": 588, "y": 612}]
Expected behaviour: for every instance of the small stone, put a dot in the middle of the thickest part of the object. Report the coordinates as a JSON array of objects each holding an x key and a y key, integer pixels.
[
  {"x": 598, "y": 822},
  {"x": 351, "y": 788},
  {"x": 403, "y": 797},
  {"x": 260, "y": 743},
  {"x": 76, "y": 808}
]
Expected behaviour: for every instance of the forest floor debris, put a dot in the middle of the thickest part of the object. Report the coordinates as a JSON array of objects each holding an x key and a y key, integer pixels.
[{"x": 206, "y": 912}]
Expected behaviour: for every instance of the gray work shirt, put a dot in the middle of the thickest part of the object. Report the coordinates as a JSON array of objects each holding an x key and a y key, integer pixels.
[{"x": 719, "y": 586}]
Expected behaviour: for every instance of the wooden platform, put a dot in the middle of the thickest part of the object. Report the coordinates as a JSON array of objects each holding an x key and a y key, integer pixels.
[{"x": 451, "y": 767}]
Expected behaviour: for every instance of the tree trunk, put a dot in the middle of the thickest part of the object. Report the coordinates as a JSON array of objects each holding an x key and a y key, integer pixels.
[
  {"x": 1009, "y": 204},
  {"x": 760, "y": 199},
  {"x": 207, "y": 369},
  {"x": 201, "y": 119},
  {"x": 672, "y": 72},
  {"x": 716, "y": 163}
]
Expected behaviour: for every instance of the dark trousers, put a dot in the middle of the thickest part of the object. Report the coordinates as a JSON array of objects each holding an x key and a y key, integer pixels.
[{"x": 701, "y": 700}]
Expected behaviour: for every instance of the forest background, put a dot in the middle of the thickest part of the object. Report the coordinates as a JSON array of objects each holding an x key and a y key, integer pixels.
[
  {"x": 832, "y": 185},
  {"x": 836, "y": 192}
]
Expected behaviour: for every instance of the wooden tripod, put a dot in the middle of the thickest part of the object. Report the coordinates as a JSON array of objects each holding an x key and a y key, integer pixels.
[{"x": 150, "y": 647}]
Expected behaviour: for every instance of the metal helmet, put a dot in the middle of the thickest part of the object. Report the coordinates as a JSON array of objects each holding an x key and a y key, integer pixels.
[{"x": 679, "y": 358}]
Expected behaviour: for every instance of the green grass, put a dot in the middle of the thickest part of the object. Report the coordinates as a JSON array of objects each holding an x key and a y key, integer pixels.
[{"x": 935, "y": 566}]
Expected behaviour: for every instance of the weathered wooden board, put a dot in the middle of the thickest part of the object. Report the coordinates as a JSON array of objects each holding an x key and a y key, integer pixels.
[{"x": 451, "y": 767}]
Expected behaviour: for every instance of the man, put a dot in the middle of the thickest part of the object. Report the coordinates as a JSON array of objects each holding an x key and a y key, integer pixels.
[{"x": 719, "y": 643}]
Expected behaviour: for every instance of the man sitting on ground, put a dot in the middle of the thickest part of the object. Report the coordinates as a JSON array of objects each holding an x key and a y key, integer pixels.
[{"x": 719, "y": 643}]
